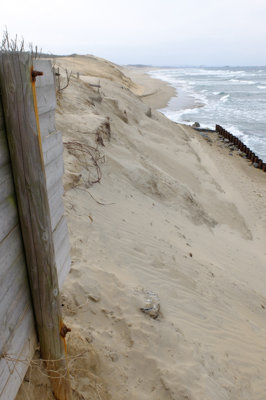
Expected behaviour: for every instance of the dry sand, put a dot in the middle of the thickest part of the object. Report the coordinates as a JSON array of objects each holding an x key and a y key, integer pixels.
[{"x": 182, "y": 220}]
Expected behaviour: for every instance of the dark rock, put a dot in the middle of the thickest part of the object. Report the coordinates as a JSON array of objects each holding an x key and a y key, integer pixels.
[
  {"x": 196, "y": 125},
  {"x": 203, "y": 130},
  {"x": 256, "y": 165}
]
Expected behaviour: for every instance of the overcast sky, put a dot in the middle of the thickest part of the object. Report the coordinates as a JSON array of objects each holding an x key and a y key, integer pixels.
[{"x": 165, "y": 32}]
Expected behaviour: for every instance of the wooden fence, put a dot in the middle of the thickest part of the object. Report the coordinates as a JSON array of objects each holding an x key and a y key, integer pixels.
[
  {"x": 18, "y": 336},
  {"x": 242, "y": 147},
  {"x": 52, "y": 146}
]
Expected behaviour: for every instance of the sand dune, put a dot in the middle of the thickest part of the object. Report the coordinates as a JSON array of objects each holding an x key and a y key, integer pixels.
[{"x": 175, "y": 216}]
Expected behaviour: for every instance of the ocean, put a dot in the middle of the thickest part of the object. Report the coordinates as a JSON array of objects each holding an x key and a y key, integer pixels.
[{"x": 233, "y": 97}]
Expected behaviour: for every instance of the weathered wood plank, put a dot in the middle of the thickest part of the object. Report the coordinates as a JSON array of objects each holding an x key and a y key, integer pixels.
[
  {"x": 2, "y": 123},
  {"x": 1, "y": 107},
  {"x": 10, "y": 248},
  {"x": 56, "y": 202},
  {"x": 59, "y": 212},
  {"x": 4, "y": 375},
  {"x": 47, "y": 123},
  {"x": 12, "y": 282},
  {"x": 6, "y": 182},
  {"x": 14, "y": 382},
  {"x": 4, "y": 154},
  {"x": 52, "y": 147},
  {"x": 45, "y": 88},
  {"x": 22, "y": 124},
  {"x": 54, "y": 171},
  {"x": 56, "y": 186},
  {"x": 58, "y": 215},
  {"x": 12, "y": 315},
  {"x": 60, "y": 233},
  {"x": 64, "y": 270},
  {"x": 25, "y": 339},
  {"x": 44, "y": 66},
  {"x": 46, "y": 99},
  {"x": 1, "y": 114},
  {"x": 62, "y": 252},
  {"x": 8, "y": 216}
]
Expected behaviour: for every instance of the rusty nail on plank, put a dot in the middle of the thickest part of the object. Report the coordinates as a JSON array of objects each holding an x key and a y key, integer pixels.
[
  {"x": 64, "y": 330},
  {"x": 34, "y": 74}
]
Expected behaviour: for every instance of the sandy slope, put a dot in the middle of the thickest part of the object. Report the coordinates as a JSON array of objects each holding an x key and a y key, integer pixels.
[{"x": 182, "y": 219}]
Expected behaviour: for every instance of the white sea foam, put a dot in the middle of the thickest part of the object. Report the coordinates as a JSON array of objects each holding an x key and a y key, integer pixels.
[
  {"x": 235, "y": 131},
  {"x": 224, "y": 98},
  {"x": 180, "y": 116},
  {"x": 217, "y": 94},
  {"x": 242, "y": 82},
  {"x": 200, "y": 99}
]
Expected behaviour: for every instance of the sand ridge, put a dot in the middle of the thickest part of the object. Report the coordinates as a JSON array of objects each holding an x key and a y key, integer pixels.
[{"x": 181, "y": 219}]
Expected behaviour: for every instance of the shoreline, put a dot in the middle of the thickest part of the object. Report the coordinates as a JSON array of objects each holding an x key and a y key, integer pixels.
[
  {"x": 160, "y": 94},
  {"x": 156, "y": 93},
  {"x": 177, "y": 103}
]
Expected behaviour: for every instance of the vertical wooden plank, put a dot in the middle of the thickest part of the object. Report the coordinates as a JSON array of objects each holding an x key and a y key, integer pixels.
[
  {"x": 4, "y": 156},
  {"x": 22, "y": 124},
  {"x": 52, "y": 147},
  {"x": 15, "y": 299},
  {"x": 8, "y": 216},
  {"x": 47, "y": 78},
  {"x": 47, "y": 123},
  {"x": 24, "y": 345},
  {"x": 54, "y": 171},
  {"x": 56, "y": 203},
  {"x": 65, "y": 270},
  {"x": 6, "y": 182},
  {"x": 10, "y": 249}
]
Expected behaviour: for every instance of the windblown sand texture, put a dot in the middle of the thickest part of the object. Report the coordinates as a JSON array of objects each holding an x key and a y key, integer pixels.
[{"x": 181, "y": 219}]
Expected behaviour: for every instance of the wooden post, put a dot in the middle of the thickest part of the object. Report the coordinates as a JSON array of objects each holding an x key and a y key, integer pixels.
[
  {"x": 56, "y": 78},
  {"x": 24, "y": 139}
]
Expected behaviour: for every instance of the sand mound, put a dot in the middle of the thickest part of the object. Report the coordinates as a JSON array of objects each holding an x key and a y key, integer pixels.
[{"x": 171, "y": 216}]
